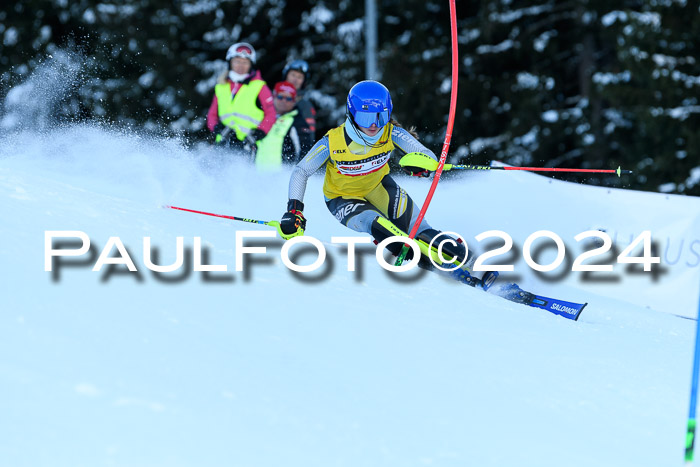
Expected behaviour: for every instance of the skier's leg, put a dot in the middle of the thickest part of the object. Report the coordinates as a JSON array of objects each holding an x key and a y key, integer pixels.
[
  {"x": 354, "y": 213},
  {"x": 362, "y": 216},
  {"x": 398, "y": 207},
  {"x": 400, "y": 214},
  {"x": 458, "y": 261},
  {"x": 388, "y": 211}
]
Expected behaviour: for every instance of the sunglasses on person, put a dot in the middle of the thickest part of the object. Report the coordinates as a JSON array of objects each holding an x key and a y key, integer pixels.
[
  {"x": 286, "y": 98},
  {"x": 244, "y": 49}
]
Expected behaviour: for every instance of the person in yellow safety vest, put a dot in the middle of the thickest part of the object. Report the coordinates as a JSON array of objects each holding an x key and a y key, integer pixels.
[
  {"x": 358, "y": 189},
  {"x": 242, "y": 111},
  {"x": 289, "y": 138}
]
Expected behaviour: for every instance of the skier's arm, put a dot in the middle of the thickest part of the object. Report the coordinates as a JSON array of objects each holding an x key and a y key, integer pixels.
[
  {"x": 314, "y": 160},
  {"x": 407, "y": 143},
  {"x": 293, "y": 221}
]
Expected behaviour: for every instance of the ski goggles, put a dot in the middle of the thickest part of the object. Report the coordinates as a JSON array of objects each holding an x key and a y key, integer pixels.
[
  {"x": 244, "y": 50},
  {"x": 299, "y": 65},
  {"x": 366, "y": 119}
]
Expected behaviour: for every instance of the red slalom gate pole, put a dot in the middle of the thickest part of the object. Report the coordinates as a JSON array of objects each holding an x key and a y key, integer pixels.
[{"x": 448, "y": 133}]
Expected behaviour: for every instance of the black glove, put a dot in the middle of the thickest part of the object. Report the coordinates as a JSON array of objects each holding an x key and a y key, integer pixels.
[
  {"x": 416, "y": 171},
  {"x": 218, "y": 129},
  {"x": 253, "y": 137},
  {"x": 257, "y": 134},
  {"x": 293, "y": 222}
]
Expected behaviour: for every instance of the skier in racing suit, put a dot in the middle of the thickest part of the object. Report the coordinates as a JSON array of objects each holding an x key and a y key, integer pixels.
[{"x": 358, "y": 189}]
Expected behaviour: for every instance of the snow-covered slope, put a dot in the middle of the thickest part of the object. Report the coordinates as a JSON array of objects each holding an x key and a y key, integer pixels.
[{"x": 268, "y": 368}]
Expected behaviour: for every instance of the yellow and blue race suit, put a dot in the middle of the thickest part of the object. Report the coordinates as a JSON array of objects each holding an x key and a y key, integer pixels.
[{"x": 357, "y": 185}]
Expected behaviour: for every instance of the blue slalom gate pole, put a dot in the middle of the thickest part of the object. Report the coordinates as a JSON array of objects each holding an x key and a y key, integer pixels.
[{"x": 690, "y": 434}]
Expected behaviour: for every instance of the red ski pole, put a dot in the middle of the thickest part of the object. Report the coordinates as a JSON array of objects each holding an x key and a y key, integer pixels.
[{"x": 274, "y": 224}]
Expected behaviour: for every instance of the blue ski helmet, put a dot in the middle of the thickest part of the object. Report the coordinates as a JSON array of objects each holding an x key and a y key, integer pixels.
[
  {"x": 298, "y": 65},
  {"x": 369, "y": 102}
]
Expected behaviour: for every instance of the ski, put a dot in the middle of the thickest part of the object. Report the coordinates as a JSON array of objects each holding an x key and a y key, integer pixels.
[
  {"x": 513, "y": 292},
  {"x": 569, "y": 310}
]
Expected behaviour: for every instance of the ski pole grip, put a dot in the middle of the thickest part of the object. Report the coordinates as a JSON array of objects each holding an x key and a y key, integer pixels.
[{"x": 420, "y": 160}]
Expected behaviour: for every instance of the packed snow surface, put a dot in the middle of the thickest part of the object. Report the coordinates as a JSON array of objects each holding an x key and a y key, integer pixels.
[{"x": 263, "y": 367}]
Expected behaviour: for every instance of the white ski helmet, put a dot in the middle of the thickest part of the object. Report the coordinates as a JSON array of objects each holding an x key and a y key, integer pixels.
[{"x": 241, "y": 49}]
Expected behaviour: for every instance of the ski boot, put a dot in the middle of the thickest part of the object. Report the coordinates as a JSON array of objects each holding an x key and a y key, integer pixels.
[
  {"x": 514, "y": 293},
  {"x": 463, "y": 276}
]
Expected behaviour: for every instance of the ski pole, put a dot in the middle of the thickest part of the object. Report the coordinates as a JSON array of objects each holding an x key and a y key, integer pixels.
[
  {"x": 448, "y": 133},
  {"x": 619, "y": 171},
  {"x": 690, "y": 434},
  {"x": 423, "y": 161},
  {"x": 274, "y": 224}
]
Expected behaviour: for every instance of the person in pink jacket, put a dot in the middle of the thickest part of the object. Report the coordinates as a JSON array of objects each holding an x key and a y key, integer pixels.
[{"x": 242, "y": 110}]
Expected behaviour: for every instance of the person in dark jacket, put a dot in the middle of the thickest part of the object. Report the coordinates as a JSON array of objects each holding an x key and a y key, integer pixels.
[
  {"x": 289, "y": 139},
  {"x": 297, "y": 73}
]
